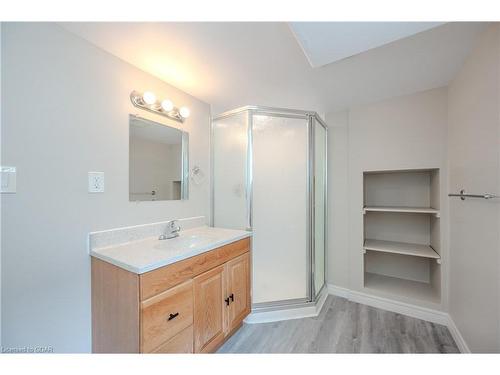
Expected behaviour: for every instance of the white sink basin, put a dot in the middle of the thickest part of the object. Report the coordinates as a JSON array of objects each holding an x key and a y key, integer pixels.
[
  {"x": 187, "y": 241},
  {"x": 150, "y": 253}
]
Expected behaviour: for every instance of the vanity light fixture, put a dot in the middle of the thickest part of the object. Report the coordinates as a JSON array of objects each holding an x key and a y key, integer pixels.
[
  {"x": 167, "y": 105},
  {"x": 148, "y": 102},
  {"x": 149, "y": 98},
  {"x": 184, "y": 112}
]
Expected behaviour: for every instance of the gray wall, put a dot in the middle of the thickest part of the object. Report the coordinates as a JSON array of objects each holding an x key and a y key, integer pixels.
[
  {"x": 456, "y": 128},
  {"x": 399, "y": 133},
  {"x": 475, "y": 224},
  {"x": 67, "y": 114},
  {"x": 407, "y": 132}
]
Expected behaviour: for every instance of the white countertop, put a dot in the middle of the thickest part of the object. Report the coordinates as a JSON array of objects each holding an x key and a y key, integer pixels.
[{"x": 150, "y": 253}]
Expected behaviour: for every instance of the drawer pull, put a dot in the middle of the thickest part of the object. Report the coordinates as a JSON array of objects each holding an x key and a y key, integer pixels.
[
  {"x": 227, "y": 301},
  {"x": 173, "y": 316},
  {"x": 232, "y": 297}
]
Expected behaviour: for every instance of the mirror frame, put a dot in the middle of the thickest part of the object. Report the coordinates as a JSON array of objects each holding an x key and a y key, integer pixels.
[{"x": 184, "y": 158}]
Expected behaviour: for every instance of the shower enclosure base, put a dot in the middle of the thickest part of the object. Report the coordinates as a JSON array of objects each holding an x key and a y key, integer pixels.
[{"x": 289, "y": 311}]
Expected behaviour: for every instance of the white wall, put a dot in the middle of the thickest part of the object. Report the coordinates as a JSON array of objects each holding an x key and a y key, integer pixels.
[
  {"x": 475, "y": 224},
  {"x": 67, "y": 114},
  {"x": 338, "y": 192},
  {"x": 400, "y": 133}
]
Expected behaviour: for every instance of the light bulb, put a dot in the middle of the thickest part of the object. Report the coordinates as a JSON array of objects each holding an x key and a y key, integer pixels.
[
  {"x": 167, "y": 105},
  {"x": 149, "y": 97},
  {"x": 184, "y": 112}
]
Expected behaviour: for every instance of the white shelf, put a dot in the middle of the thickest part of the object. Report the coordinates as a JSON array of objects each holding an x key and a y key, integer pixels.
[
  {"x": 402, "y": 205},
  {"x": 413, "y": 210},
  {"x": 417, "y": 250},
  {"x": 408, "y": 289}
]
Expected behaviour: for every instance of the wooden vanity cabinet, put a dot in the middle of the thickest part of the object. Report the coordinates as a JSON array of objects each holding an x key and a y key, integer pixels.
[
  {"x": 238, "y": 291},
  {"x": 209, "y": 309},
  {"x": 221, "y": 302},
  {"x": 193, "y": 305},
  {"x": 166, "y": 315}
]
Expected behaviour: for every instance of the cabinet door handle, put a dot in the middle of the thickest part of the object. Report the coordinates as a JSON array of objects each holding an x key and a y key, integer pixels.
[
  {"x": 232, "y": 297},
  {"x": 173, "y": 316},
  {"x": 227, "y": 301}
]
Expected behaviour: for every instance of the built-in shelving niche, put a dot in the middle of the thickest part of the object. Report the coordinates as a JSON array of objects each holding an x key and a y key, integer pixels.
[{"x": 402, "y": 234}]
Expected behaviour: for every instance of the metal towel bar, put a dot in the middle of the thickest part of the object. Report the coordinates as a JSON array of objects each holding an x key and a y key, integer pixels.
[
  {"x": 152, "y": 192},
  {"x": 464, "y": 195}
]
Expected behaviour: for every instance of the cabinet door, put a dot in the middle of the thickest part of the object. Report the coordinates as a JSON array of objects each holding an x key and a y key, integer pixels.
[
  {"x": 209, "y": 292},
  {"x": 238, "y": 290}
]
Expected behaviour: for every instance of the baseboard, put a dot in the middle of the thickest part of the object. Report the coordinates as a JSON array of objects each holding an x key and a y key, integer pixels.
[
  {"x": 311, "y": 310},
  {"x": 457, "y": 336},
  {"x": 407, "y": 309},
  {"x": 403, "y": 308},
  {"x": 338, "y": 291}
]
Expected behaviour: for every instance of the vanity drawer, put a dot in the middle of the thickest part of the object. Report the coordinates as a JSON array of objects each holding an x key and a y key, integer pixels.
[
  {"x": 180, "y": 343},
  {"x": 165, "y": 315}
]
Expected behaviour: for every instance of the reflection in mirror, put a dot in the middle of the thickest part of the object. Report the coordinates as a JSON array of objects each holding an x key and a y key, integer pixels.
[{"x": 158, "y": 161}]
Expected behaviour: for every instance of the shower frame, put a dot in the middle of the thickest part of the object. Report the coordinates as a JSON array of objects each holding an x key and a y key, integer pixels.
[{"x": 311, "y": 116}]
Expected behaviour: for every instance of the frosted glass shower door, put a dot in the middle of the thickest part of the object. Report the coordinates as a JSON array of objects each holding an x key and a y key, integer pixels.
[
  {"x": 280, "y": 218},
  {"x": 229, "y": 153}
]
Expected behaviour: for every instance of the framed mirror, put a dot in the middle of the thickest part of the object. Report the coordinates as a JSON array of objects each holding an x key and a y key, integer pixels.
[{"x": 158, "y": 161}]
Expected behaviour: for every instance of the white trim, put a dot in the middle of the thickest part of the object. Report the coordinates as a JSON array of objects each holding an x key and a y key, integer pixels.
[
  {"x": 338, "y": 291},
  {"x": 414, "y": 311},
  {"x": 457, "y": 336},
  {"x": 287, "y": 314}
]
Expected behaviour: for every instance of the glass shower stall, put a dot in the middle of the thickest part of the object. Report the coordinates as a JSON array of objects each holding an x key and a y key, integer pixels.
[{"x": 269, "y": 175}]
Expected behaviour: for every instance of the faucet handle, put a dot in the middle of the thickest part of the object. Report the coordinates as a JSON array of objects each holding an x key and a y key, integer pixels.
[
  {"x": 172, "y": 225},
  {"x": 171, "y": 230}
]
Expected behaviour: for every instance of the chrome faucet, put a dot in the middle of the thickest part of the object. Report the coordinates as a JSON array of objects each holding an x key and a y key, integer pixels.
[{"x": 171, "y": 231}]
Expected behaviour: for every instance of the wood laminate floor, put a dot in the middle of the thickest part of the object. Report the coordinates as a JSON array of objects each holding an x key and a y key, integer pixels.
[{"x": 343, "y": 327}]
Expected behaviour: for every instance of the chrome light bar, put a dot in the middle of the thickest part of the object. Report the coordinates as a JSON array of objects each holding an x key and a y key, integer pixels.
[{"x": 148, "y": 102}]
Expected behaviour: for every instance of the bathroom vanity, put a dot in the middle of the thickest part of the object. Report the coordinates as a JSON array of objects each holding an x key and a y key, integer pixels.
[{"x": 182, "y": 295}]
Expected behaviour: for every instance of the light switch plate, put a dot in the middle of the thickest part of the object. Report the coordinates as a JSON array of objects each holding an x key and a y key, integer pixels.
[
  {"x": 8, "y": 177},
  {"x": 96, "y": 182}
]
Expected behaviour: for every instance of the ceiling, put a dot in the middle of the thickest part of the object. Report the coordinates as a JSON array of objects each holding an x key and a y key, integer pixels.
[
  {"x": 326, "y": 42},
  {"x": 234, "y": 64}
]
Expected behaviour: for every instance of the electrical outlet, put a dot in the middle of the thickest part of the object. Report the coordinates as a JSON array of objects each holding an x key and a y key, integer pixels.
[{"x": 96, "y": 182}]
